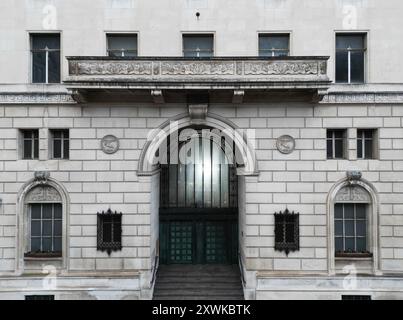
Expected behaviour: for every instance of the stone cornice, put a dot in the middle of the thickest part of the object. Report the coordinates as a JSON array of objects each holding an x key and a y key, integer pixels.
[{"x": 363, "y": 98}]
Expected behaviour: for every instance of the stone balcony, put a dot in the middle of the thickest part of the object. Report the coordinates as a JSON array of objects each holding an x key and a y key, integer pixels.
[{"x": 169, "y": 78}]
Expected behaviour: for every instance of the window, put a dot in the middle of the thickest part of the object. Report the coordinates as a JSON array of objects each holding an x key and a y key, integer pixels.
[
  {"x": 122, "y": 45},
  {"x": 355, "y": 297},
  {"x": 350, "y": 58},
  {"x": 30, "y": 144},
  {"x": 274, "y": 45},
  {"x": 365, "y": 144},
  {"x": 200, "y": 45},
  {"x": 45, "y": 229},
  {"x": 40, "y": 297},
  {"x": 60, "y": 144},
  {"x": 109, "y": 231},
  {"x": 45, "y": 50},
  {"x": 336, "y": 143},
  {"x": 286, "y": 231},
  {"x": 350, "y": 228}
]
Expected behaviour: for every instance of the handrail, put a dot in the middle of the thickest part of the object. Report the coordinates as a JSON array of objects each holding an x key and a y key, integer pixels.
[
  {"x": 156, "y": 262},
  {"x": 241, "y": 269}
]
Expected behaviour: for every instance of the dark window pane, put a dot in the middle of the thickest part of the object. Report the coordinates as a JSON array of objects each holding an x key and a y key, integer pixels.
[
  {"x": 359, "y": 149},
  {"x": 361, "y": 245},
  {"x": 342, "y": 67},
  {"x": 361, "y": 228},
  {"x": 38, "y": 67},
  {"x": 289, "y": 235},
  {"x": 338, "y": 211},
  {"x": 47, "y": 244},
  {"x": 357, "y": 66},
  {"x": 350, "y": 245},
  {"x": 368, "y": 149},
  {"x": 47, "y": 211},
  {"x": 339, "y": 244},
  {"x": 361, "y": 211},
  {"x": 57, "y": 210},
  {"x": 350, "y": 41},
  {"x": 36, "y": 148},
  {"x": 66, "y": 148},
  {"x": 27, "y": 134},
  {"x": 57, "y": 228},
  {"x": 279, "y": 234},
  {"x": 329, "y": 149},
  {"x": 349, "y": 225},
  {"x": 35, "y": 244},
  {"x": 338, "y": 149},
  {"x": 35, "y": 228},
  {"x": 339, "y": 134},
  {"x": 54, "y": 67},
  {"x": 40, "y": 42},
  {"x": 117, "y": 234},
  {"x": 349, "y": 211},
  {"x": 126, "y": 43},
  {"x": 329, "y": 134},
  {"x": 57, "y": 134},
  {"x": 35, "y": 211},
  {"x": 273, "y": 45},
  {"x": 57, "y": 149},
  {"x": 27, "y": 149},
  {"x": 47, "y": 228},
  {"x": 338, "y": 226},
  {"x": 57, "y": 243},
  {"x": 198, "y": 46}
]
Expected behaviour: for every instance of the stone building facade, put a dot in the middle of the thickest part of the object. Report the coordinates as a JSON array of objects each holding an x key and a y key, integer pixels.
[{"x": 286, "y": 111}]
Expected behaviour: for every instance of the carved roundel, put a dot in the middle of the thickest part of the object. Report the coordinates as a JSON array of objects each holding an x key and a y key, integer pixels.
[
  {"x": 110, "y": 144},
  {"x": 285, "y": 144}
]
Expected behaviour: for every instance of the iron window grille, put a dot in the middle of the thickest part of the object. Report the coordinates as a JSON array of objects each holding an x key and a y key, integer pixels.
[
  {"x": 60, "y": 144},
  {"x": 286, "y": 231},
  {"x": 30, "y": 144},
  {"x": 109, "y": 231}
]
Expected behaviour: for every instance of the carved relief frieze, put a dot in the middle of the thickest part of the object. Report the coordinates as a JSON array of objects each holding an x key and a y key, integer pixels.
[
  {"x": 353, "y": 194},
  {"x": 35, "y": 98},
  {"x": 280, "y": 68},
  {"x": 114, "y": 68},
  {"x": 43, "y": 194},
  {"x": 198, "y": 68}
]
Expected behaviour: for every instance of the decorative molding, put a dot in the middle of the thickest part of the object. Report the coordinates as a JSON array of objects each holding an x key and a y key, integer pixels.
[
  {"x": 352, "y": 98},
  {"x": 35, "y": 98},
  {"x": 198, "y": 112},
  {"x": 41, "y": 176},
  {"x": 198, "y": 68},
  {"x": 43, "y": 193},
  {"x": 110, "y": 144},
  {"x": 353, "y": 193},
  {"x": 353, "y": 175},
  {"x": 281, "y": 68},
  {"x": 285, "y": 144},
  {"x": 158, "y": 96},
  {"x": 111, "y": 68},
  {"x": 238, "y": 96}
]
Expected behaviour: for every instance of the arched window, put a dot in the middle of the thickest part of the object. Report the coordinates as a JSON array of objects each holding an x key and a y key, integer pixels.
[
  {"x": 353, "y": 226},
  {"x": 44, "y": 222},
  {"x": 351, "y": 222}
]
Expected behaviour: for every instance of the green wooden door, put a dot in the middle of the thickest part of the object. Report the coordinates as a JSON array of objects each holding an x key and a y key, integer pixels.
[{"x": 201, "y": 240}]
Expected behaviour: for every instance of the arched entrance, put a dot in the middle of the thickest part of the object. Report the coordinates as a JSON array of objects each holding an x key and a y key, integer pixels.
[{"x": 198, "y": 211}]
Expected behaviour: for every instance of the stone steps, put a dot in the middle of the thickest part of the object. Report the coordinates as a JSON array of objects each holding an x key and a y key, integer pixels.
[{"x": 198, "y": 282}]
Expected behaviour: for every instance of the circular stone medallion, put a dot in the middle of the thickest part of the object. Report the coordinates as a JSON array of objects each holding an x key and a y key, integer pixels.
[
  {"x": 110, "y": 144},
  {"x": 285, "y": 144}
]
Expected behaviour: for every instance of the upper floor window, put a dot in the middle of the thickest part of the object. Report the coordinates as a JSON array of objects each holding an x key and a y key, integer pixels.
[
  {"x": 274, "y": 45},
  {"x": 350, "y": 58},
  {"x": 45, "y": 49},
  {"x": 60, "y": 143},
  {"x": 122, "y": 45},
  {"x": 30, "y": 144},
  {"x": 336, "y": 140},
  {"x": 366, "y": 144},
  {"x": 198, "y": 45}
]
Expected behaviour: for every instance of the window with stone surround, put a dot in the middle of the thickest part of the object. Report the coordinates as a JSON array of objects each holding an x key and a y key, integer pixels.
[
  {"x": 122, "y": 45},
  {"x": 286, "y": 230},
  {"x": 44, "y": 229},
  {"x": 336, "y": 143},
  {"x": 30, "y": 144},
  {"x": 350, "y": 57},
  {"x": 198, "y": 45},
  {"x": 60, "y": 143},
  {"x": 45, "y": 53},
  {"x": 274, "y": 44},
  {"x": 366, "y": 143}
]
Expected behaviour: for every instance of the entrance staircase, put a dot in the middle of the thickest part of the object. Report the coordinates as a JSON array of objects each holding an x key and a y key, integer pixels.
[{"x": 198, "y": 282}]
